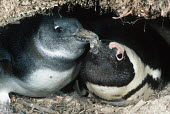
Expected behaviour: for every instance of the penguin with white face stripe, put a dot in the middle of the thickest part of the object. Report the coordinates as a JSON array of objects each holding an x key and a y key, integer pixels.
[
  {"x": 124, "y": 69},
  {"x": 41, "y": 55},
  {"x": 116, "y": 74}
]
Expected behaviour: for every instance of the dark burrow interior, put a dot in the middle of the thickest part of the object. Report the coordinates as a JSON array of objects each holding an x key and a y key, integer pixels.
[{"x": 101, "y": 22}]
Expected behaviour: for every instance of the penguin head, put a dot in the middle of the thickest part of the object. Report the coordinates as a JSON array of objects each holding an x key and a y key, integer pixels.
[
  {"x": 63, "y": 37},
  {"x": 115, "y": 73},
  {"x": 109, "y": 65}
]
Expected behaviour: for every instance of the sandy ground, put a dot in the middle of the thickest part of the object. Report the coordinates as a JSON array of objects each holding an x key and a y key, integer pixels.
[{"x": 159, "y": 103}]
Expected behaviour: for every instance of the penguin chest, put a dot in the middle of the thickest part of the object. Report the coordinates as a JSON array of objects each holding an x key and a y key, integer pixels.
[
  {"x": 108, "y": 93},
  {"x": 46, "y": 80}
]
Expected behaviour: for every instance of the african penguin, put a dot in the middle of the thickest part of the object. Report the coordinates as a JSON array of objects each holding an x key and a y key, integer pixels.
[
  {"x": 41, "y": 55},
  {"x": 125, "y": 65}
]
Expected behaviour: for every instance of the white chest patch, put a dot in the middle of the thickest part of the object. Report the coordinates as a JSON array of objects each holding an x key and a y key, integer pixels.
[
  {"x": 47, "y": 78},
  {"x": 42, "y": 82}
]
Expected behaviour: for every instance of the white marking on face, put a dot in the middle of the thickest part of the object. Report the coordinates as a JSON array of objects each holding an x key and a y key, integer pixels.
[
  {"x": 56, "y": 27},
  {"x": 140, "y": 69}
]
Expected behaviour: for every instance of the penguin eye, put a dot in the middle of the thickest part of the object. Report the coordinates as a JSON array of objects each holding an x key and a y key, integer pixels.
[
  {"x": 119, "y": 56},
  {"x": 58, "y": 29}
]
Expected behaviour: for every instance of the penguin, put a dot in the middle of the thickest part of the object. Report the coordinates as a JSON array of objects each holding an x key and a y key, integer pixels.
[
  {"x": 41, "y": 55},
  {"x": 124, "y": 66}
]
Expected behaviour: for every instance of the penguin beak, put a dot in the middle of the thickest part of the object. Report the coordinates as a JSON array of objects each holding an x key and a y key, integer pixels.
[{"x": 86, "y": 36}]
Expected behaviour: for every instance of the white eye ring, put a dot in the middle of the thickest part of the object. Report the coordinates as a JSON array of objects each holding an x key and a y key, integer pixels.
[
  {"x": 56, "y": 27},
  {"x": 120, "y": 50},
  {"x": 118, "y": 58}
]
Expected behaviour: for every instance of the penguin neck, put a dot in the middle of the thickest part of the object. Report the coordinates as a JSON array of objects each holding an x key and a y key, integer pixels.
[{"x": 44, "y": 52}]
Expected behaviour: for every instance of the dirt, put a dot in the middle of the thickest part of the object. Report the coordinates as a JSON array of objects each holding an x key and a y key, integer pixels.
[
  {"x": 13, "y": 10},
  {"x": 159, "y": 103}
]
